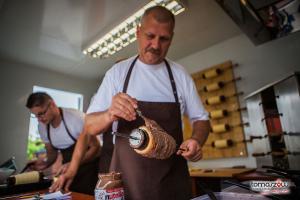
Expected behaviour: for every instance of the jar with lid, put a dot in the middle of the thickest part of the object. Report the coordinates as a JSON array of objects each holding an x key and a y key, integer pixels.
[{"x": 109, "y": 186}]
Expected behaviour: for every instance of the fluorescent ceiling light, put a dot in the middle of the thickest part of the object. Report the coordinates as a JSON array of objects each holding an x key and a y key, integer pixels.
[{"x": 124, "y": 34}]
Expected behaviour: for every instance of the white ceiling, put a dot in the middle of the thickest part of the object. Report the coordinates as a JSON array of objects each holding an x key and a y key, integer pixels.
[{"x": 52, "y": 33}]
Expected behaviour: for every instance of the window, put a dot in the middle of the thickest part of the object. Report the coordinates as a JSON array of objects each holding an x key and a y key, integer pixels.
[{"x": 62, "y": 99}]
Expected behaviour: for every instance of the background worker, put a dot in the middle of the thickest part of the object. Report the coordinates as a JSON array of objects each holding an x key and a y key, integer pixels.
[{"x": 59, "y": 129}]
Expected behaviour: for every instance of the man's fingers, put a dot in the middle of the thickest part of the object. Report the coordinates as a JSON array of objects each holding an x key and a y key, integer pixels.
[
  {"x": 67, "y": 186},
  {"x": 64, "y": 170},
  {"x": 192, "y": 151},
  {"x": 127, "y": 103},
  {"x": 119, "y": 113},
  {"x": 129, "y": 99},
  {"x": 57, "y": 185},
  {"x": 58, "y": 172},
  {"x": 125, "y": 110},
  {"x": 196, "y": 157},
  {"x": 123, "y": 106},
  {"x": 62, "y": 183},
  {"x": 53, "y": 186},
  {"x": 179, "y": 152}
]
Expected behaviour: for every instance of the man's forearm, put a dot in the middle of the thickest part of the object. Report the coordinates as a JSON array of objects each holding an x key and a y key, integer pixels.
[
  {"x": 79, "y": 152},
  {"x": 51, "y": 155},
  {"x": 96, "y": 123},
  {"x": 50, "y": 161},
  {"x": 200, "y": 131},
  {"x": 93, "y": 149}
]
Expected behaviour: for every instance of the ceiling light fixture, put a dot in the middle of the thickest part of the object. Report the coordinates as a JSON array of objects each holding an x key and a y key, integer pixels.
[{"x": 124, "y": 34}]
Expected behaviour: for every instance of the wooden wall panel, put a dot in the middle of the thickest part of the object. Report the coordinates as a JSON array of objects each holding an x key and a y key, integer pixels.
[{"x": 231, "y": 104}]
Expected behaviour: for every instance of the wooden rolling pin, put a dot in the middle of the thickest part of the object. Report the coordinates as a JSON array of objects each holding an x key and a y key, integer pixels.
[
  {"x": 220, "y": 128},
  {"x": 216, "y": 72},
  {"x": 225, "y": 143},
  {"x": 215, "y": 100},
  {"x": 218, "y": 85},
  {"x": 212, "y": 73},
  {"x": 25, "y": 178},
  {"x": 217, "y": 114},
  {"x": 221, "y": 144},
  {"x": 220, "y": 99}
]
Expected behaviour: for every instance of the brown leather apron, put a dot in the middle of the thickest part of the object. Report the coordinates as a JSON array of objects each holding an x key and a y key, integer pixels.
[
  {"x": 148, "y": 178},
  {"x": 87, "y": 175},
  {"x": 106, "y": 152}
]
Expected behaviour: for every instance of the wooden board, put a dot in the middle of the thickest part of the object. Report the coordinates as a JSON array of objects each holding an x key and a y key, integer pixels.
[
  {"x": 222, "y": 172},
  {"x": 236, "y": 132}
]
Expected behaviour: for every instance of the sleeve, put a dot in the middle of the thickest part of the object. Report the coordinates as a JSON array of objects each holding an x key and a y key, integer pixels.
[
  {"x": 194, "y": 107},
  {"x": 43, "y": 133},
  {"x": 102, "y": 99}
]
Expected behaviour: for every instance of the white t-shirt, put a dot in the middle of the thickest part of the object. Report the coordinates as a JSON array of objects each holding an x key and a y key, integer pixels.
[
  {"x": 74, "y": 120},
  {"x": 150, "y": 83}
]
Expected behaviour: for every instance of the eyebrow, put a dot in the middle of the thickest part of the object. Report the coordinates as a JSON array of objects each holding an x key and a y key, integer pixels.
[{"x": 160, "y": 36}]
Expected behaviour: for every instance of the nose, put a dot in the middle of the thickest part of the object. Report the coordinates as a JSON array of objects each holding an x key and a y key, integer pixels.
[
  {"x": 41, "y": 118},
  {"x": 155, "y": 43}
]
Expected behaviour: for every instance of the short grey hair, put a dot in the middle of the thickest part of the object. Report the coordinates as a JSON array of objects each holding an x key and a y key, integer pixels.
[{"x": 160, "y": 14}]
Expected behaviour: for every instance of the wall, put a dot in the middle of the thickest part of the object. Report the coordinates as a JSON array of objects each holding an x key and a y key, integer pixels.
[
  {"x": 258, "y": 66},
  {"x": 16, "y": 83}
]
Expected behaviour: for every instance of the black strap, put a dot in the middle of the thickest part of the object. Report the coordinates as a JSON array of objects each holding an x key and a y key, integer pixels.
[
  {"x": 173, "y": 84},
  {"x": 128, "y": 75},
  {"x": 66, "y": 127},
  {"x": 65, "y": 124}
]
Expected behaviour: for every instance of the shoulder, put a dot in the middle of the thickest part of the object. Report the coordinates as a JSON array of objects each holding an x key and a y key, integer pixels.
[
  {"x": 73, "y": 113},
  {"x": 120, "y": 68},
  {"x": 179, "y": 71}
]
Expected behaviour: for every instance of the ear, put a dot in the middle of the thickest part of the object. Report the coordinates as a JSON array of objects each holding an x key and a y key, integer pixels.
[
  {"x": 52, "y": 102},
  {"x": 138, "y": 31}
]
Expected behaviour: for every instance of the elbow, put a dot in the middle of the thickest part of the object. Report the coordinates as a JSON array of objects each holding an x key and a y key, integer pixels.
[
  {"x": 90, "y": 127},
  {"x": 97, "y": 123}
]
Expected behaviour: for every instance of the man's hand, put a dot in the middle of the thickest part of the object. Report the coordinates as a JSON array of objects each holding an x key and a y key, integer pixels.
[
  {"x": 122, "y": 106},
  {"x": 63, "y": 169},
  {"x": 38, "y": 165},
  {"x": 63, "y": 182},
  {"x": 192, "y": 150}
]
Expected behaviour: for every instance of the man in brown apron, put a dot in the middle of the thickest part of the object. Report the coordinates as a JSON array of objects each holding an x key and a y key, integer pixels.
[
  {"x": 59, "y": 129},
  {"x": 149, "y": 178},
  {"x": 163, "y": 179}
]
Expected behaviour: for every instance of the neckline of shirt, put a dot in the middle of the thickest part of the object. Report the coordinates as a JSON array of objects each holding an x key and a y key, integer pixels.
[{"x": 150, "y": 67}]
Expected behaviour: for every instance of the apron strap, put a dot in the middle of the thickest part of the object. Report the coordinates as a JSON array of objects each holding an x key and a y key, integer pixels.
[
  {"x": 49, "y": 138},
  {"x": 128, "y": 75},
  {"x": 65, "y": 124},
  {"x": 66, "y": 127},
  {"x": 173, "y": 84}
]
